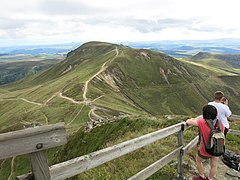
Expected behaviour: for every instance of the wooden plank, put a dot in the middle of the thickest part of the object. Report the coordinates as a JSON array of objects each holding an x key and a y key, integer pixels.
[
  {"x": 39, "y": 162},
  {"x": 80, "y": 164},
  {"x": 190, "y": 145},
  {"x": 235, "y": 132},
  {"x": 234, "y": 117},
  {"x": 153, "y": 168},
  {"x": 27, "y": 176},
  {"x": 32, "y": 140}
]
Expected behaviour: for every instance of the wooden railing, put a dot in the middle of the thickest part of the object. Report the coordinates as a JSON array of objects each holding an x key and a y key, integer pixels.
[{"x": 35, "y": 141}]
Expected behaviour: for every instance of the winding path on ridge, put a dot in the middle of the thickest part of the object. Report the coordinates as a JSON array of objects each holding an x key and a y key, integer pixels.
[
  {"x": 69, "y": 99},
  {"x": 103, "y": 68},
  {"x": 88, "y": 101},
  {"x": 85, "y": 89},
  {"x": 31, "y": 102}
]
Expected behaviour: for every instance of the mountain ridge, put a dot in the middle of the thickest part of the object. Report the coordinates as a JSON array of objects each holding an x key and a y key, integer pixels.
[
  {"x": 106, "y": 93},
  {"x": 233, "y": 59},
  {"x": 97, "y": 72}
]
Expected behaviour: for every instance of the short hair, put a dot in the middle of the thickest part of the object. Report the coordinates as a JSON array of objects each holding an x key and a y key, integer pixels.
[
  {"x": 209, "y": 112},
  {"x": 218, "y": 95}
]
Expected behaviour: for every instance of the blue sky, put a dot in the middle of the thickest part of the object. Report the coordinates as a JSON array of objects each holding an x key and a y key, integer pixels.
[{"x": 57, "y": 21}]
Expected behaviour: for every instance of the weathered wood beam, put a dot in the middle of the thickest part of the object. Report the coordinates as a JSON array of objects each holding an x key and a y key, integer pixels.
[
  {"x": 190, "y": 145},
  {"x": 235, "y": 132},
  {"x": 32, "y": 140},
  {"x": 39, "y": 163},
  {"x": 234, "y": 117},
  {"x": 153, "y": 168},
  {"x": 80, "y": 164}
]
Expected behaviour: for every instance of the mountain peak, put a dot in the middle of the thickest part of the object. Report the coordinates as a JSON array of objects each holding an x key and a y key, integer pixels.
[{"x": 200, "y": 56}]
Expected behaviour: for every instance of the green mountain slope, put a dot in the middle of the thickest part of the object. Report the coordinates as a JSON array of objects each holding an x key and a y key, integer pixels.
[
  {"x": 226, "y": 62},
  {"x": 100, "y": 82},
  {"x": 102, "y": 91}
]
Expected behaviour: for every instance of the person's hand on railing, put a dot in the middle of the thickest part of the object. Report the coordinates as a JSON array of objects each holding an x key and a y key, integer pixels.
[{"x": 193, "y": 121}]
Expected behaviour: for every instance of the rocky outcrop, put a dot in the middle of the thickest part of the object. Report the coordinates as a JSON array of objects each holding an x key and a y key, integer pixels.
[{"x": 232, "y": 160}]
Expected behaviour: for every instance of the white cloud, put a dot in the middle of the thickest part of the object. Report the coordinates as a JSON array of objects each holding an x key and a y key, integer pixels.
[{"x": 125, "y": 20}]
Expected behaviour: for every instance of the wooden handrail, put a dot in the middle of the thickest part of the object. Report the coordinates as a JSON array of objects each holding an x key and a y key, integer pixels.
[
  {"x": 80, "y": 164},
  {"x": 153, "y": 168},
  {"x": 235, "y": 132},
  {"x": 32, "y": 140},
  {"x": 190, "y": 145},
  {"x": 234, "y": 117},
  {"x": 35, "y": 141}
]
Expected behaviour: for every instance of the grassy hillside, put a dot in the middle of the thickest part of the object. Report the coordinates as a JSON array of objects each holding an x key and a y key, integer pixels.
[
  {"x": 15, "y": 67},
  {"x": 226, "y": 62},
  {"x": 107, "y": 93}
]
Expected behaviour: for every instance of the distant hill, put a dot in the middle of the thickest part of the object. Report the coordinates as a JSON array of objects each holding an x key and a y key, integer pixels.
[
  {"x": 50, "y": 49},
  {"x": 186, "y": 48},
  {"x": 226, "y": 62},
  {"x": 13, "y": 68},
  {"x": 178, "y": 49},
  {"x": 107, "y": 93},
  {"x": 233, "y": 59},
  {"x": 200, "y": 56}
]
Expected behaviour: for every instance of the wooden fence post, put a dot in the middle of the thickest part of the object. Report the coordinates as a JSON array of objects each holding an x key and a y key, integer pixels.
[
  {"x": 180, "y": 157},
  {"x": 39, "y": 163},
  {"x": 34, "y": 141}
]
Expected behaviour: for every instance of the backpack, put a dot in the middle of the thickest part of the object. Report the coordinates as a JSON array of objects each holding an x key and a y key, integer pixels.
[{"x": 215, "y": 145}]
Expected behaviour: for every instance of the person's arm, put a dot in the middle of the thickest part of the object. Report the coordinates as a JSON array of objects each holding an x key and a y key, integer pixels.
[
  {"x": 192, "y": 122},
  {"x": 228, "y": 112}
]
